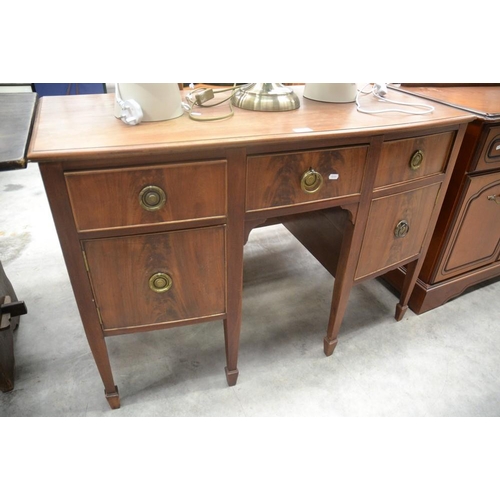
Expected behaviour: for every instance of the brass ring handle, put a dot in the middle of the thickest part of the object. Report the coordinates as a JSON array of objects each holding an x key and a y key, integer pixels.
[
  {"x": 160, "y": 282},
  {"x": 401, "y": 229},
  {"x": 495, "y": 198},
  {"x": 311, "y": 181},
  {"x": 416, "y": 159},
  {"x": 152, "y": 198}
]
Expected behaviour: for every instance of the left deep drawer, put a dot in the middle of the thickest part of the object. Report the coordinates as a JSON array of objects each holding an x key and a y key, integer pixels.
[{"x": 158, "y": 279}]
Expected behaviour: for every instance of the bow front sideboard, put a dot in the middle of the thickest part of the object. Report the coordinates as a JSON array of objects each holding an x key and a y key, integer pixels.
[{"x": 152, "y": 219}]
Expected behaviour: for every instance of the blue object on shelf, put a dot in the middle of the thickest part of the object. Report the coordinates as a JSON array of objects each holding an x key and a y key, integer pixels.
[{"x": 43, "y": 89}]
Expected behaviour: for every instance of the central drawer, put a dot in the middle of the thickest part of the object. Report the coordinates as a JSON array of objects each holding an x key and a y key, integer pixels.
[
  {"x": 289, "y": 179},
  {"x": 123, "y": 197},
  {"x": 158, "y": 278}
]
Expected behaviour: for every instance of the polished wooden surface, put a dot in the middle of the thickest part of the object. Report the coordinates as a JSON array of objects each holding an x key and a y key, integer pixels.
[
  {"x": 85, "y": 126},
  {"x": 245, "y": 171},
  {"x": 482, "y": 100}
]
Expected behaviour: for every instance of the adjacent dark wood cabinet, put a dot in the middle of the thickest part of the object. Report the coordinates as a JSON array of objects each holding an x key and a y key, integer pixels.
[{"x": 465, "y": 247}]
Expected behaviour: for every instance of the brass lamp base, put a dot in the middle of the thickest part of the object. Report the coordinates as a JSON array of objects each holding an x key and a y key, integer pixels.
[{"x": 265, "y": 97}]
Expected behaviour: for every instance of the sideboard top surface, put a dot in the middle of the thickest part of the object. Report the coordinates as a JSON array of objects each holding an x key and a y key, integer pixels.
[
  {"x": 84, "y": 126},
  {"x": 483, "y": 100}
]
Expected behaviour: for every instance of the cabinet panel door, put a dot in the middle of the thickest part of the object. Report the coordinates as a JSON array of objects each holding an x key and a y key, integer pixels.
[
  {"x": 130, "y": 277},
  {"x": 396, "y": 229},
  {"x": 475, "y": 239}
]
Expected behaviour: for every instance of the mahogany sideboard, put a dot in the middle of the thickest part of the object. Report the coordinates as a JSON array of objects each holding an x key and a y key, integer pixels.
[
  {"x": 465, "y": 248},
  {"x": 152, "y": 219}
]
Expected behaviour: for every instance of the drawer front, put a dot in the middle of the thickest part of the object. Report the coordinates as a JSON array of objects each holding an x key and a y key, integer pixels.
[
  {"x": 490, "y": 154},
  {"x": 396, "y": 229},
  {"x": 113, "y": 198},
  {"x": 291, "y": 179},
  {"x": 130, "y": 276},
  {"x": 475, "y": 238},
  {"x": 408, "y": 159}
]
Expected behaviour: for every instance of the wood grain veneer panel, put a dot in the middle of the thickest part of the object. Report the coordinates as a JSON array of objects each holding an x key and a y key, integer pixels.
[
  {"x": 274, "y": 180},
  {"x": 110, "y": 198},
  {"x": 394, "y": 165},
  {"x": 120, "y": 269},
  {"x": 381, "y": 249}
]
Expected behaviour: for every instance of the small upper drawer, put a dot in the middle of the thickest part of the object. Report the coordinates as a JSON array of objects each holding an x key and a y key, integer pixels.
[
  {"x": 147, "y": 195},
  {"x": 490, "y": 154},
  {"x": 407, "y": 159},
  {"x": 289, "y": 179}
]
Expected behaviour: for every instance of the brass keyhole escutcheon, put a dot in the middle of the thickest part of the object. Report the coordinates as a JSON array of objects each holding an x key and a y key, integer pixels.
[
  {"x": 495, "y": 198},
  {"x": 160, "y": 282},
  {"x": 311, "y": 181},
  {"x": 401, "y": 229},
  {"x": 152, "y": 198},
  {"x": 416, "y": 159}
]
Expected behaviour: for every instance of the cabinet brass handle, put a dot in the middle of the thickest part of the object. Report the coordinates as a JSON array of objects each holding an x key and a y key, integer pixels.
[
  {"x": 495, "y": 198},
  {"x": 152, "y": 198},
  {"x": 311, "y": 181},
  {"x": 416, "y": 159},
  {"x": 160, "y": 282},
  {"x": 401, "y": 229}
]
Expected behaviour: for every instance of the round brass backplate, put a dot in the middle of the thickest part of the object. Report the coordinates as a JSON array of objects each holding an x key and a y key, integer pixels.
[
  {"x": 152, "y": 198},
  {"x": 160, "y": 282},
  {"x": 401, "y": 229},
  {"x": 416, "y": 159},
  {"x": 311, "y": 181}
]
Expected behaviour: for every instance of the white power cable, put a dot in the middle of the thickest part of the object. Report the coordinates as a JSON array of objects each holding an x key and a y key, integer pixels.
[{"x": 379, "y": 91}]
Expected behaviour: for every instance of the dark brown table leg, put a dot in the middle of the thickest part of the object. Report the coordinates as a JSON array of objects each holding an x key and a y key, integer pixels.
[{"x": 8, "y": 323}]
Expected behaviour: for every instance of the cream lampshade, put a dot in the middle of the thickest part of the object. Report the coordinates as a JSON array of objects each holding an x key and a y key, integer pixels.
[
  {"x": 158, "y": 101},
  {"x": 331, "y": 92}
]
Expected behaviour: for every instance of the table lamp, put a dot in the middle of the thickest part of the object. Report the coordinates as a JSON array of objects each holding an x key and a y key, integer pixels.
[
  {"x": 148, "y": 102},
  {"x": 265, "y": 97},
  {"x": 331, "y": 92}
]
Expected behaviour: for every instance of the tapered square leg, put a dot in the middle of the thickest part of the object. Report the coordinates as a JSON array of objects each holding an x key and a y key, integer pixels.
[
  {"x": 231, "y": 376},
  {"x": 113, "y": 398}
]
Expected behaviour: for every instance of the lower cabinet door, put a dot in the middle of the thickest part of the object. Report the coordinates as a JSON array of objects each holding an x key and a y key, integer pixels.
[
  {"x": 396, "y": 228},
  {"x": 475, "y": 238},
  {"x": 155, "y": 279}
]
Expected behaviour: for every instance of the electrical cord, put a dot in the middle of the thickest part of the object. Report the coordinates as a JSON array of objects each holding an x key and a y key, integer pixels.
[
  {"x": 379, "y": 91},
  {"x": 198, "y": 97}
]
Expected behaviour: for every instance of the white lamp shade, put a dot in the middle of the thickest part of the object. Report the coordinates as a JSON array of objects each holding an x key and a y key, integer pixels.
[
  {"x": 159, "y": 101},
  {"x": 331, "y": 92}
]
